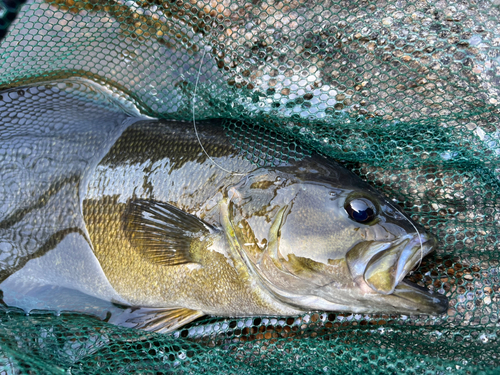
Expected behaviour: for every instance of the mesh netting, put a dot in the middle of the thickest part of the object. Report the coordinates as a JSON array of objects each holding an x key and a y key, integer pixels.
[{"x": 405, "y": 94}]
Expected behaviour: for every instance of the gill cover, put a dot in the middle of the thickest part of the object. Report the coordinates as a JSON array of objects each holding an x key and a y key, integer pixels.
[{"x": 287, "y": 236}]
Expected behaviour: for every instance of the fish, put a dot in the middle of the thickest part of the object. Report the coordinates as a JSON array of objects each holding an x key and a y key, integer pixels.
[{"x": 176, "y": 232}]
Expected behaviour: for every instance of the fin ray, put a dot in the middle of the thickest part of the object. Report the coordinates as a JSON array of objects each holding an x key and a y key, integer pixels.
[
  {"x": 161, "y": 232},
  {"x": 159, "y": 320}
]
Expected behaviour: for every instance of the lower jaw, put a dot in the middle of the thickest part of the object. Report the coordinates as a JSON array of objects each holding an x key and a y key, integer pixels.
[{"x": 421, "y": 299}]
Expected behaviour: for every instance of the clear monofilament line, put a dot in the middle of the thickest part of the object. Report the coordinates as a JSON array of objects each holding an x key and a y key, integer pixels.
[
  {"x": 419, "y": 237},
  {"x": 194, "y": 121}
]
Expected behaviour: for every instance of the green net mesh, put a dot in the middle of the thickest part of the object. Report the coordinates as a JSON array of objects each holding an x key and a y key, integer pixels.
[{"x": 406, "y": 94}]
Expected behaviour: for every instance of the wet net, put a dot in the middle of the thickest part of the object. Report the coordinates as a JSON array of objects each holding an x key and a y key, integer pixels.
[{"x": 405, "y": 93}]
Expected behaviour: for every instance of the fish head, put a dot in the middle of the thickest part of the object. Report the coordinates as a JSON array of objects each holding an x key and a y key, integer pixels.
[{"x": 322, "y": 239}]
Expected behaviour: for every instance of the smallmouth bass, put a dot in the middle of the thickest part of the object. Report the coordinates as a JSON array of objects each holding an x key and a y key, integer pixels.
[
  {"x": 176, "y": 237},
  {"x": 172, "y": 230}
]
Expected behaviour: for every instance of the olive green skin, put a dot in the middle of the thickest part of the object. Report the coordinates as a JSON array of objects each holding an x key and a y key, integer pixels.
[
  {"x": 285, "y": 243},
  {"x": 163, "y": 161}
]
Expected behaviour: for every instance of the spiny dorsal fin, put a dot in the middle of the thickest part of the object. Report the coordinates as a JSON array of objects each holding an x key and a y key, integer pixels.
[
  {"x": 155, "y": 319},
  {"x": 161, "y": 232}
]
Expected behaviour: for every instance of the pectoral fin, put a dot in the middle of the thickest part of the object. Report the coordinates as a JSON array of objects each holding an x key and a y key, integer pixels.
[
  {"x": 155, "y": 319},
  {"x": 161, "y": 232}
]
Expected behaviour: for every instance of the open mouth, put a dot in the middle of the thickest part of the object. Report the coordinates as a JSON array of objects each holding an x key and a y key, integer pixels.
[
  {"x": 387, "y": 268},
  {"x": 382, "y": 266}
]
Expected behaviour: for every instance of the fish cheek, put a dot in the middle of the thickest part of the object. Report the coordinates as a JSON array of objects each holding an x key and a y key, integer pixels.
[
  {"x": 309, "y": 270},
  {"x": 318, "y": 235}
]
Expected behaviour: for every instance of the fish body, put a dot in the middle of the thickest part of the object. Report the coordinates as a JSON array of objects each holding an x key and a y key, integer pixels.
[
  {"x": 178, "y": 237},
  {"x": 157, "y": 163}
]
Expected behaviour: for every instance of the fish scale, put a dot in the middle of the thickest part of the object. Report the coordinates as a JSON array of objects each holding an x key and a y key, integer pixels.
[
  {"x": 176, "y": 165},
  {"x": 222, "y": 272}
]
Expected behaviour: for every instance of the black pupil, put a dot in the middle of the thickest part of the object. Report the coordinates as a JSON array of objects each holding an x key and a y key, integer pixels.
[{"x": 361, "y": 210}]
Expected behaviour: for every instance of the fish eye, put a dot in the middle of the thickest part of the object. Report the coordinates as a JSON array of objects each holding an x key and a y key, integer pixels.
[{"x": 361, "y": 210}]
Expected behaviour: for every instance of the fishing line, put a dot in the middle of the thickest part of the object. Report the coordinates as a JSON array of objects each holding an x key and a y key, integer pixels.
[
  {"x": 194, "y": 120},
  {"x": 419, "y": 238},
  {"x": 242, "y": 174}
]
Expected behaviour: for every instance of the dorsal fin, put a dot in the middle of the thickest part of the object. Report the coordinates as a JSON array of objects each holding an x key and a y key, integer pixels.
[{"x": 162, "y": 233}]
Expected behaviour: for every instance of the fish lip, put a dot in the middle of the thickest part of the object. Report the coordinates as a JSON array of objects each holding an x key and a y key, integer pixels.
[
  {"x": 410, "y": 250},
  {"x": 425, "y": 301},
  {"x": 427, "y": 244},
  {"x": 412, "y": 296}
]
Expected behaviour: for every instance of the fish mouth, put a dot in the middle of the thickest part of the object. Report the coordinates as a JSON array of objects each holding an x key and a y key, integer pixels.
[
  {"x": 380, "y": 267},
  {"x": 387, "y": 268}
]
